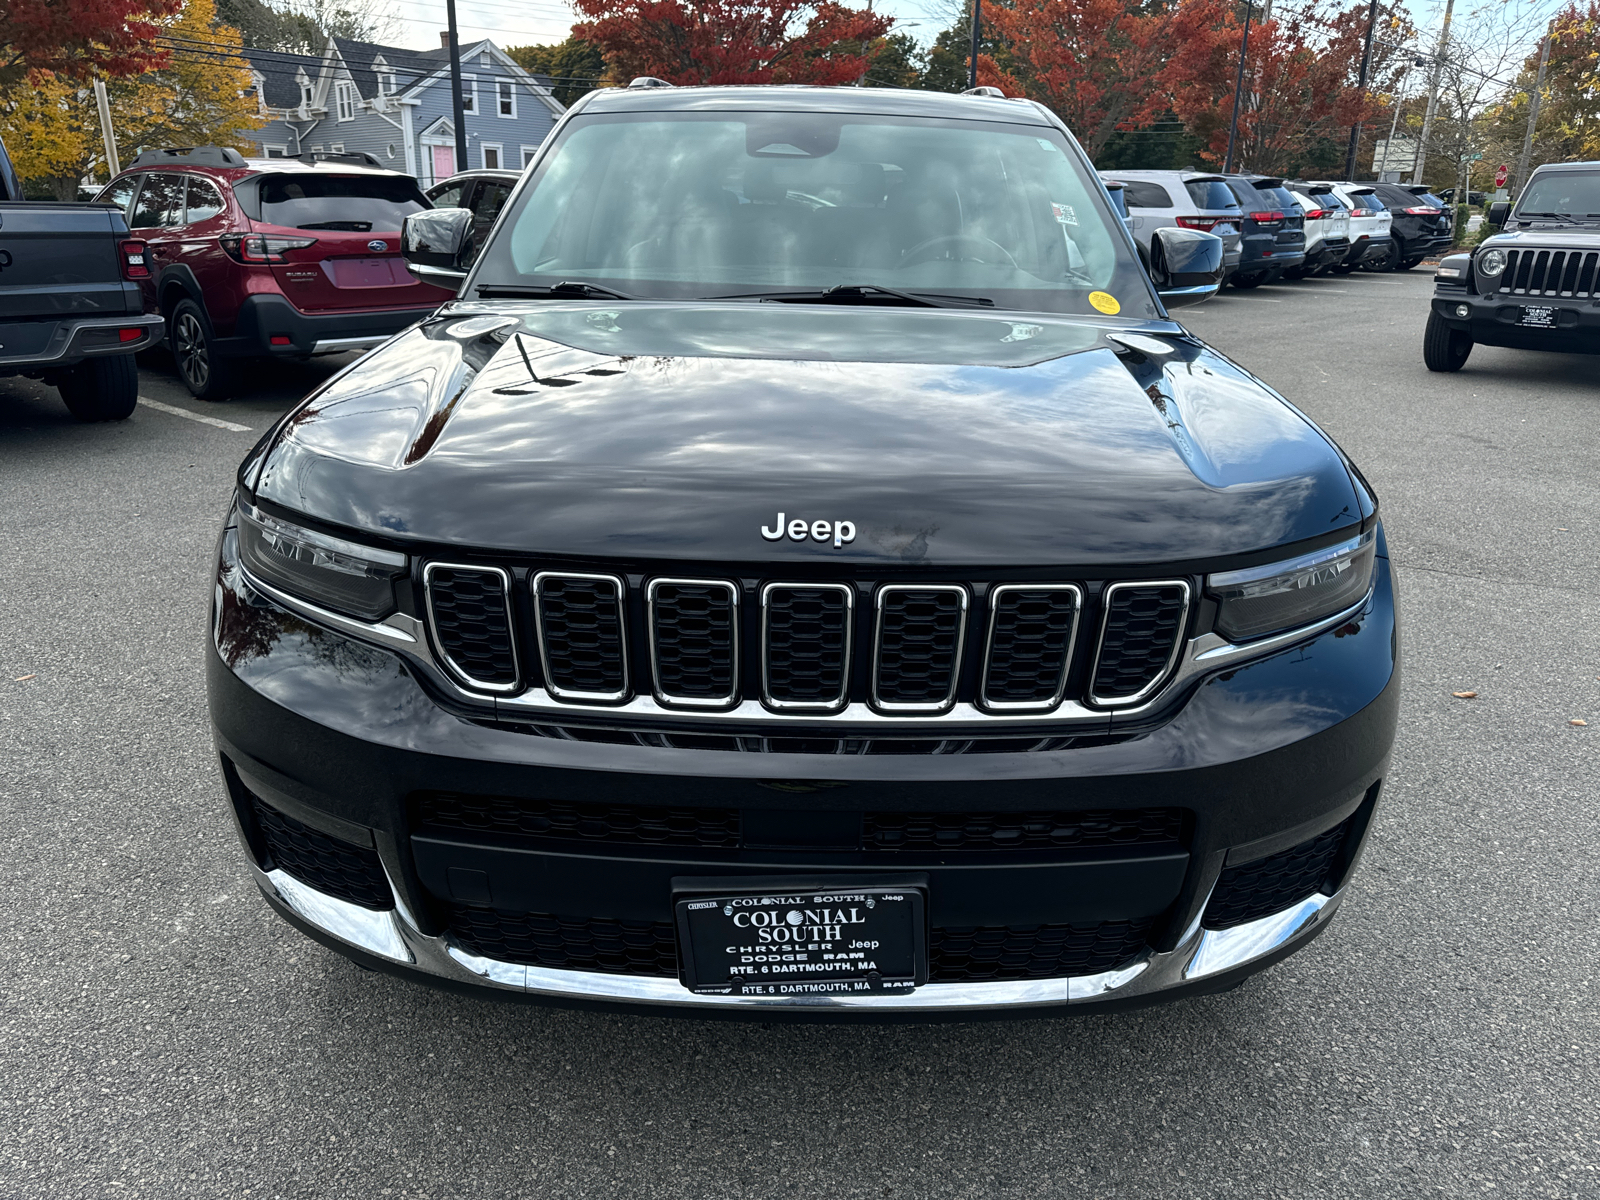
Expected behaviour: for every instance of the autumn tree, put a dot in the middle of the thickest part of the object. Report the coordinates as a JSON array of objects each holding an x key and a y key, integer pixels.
[
  {"x": 1569, "y": 112},
  {"x": 573, "y": 66},
  {"x": 44, "y": 130},
  {"x": 74, "y": 39},
  {"x": 732, "y": 41}
]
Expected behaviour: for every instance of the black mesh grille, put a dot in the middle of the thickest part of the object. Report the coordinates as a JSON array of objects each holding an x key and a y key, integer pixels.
[
  {"x": 693, "y": 626},
  {"x": 568, "y": 943},
  {"x": 919, "y": 637},
  {"x": 586, "y": 822},
  {"x": 1029, "y": 645},
  {"x": 471, "y": 622},
  {"x": 1034, "y": 951},
  {"x": 1142, "y": 624},
  {"x": 1030, "y": 831},
  {"x": 581, "y": 622},
  {"x": 1258, "y": 889},
  {"x": 338, "y": 868},
  {"x": 808, "y": 631}
]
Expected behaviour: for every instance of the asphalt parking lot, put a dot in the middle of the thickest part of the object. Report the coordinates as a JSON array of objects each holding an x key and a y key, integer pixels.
[{"x": 165, "y": 1035}]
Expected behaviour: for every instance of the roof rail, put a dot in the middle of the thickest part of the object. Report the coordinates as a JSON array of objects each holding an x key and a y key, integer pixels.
[
  {"x": 360, "y": 157},
  {"x": 650, "y": 81},
  {"x": 200, "y": 156},
  {"x": 985, "y": 90}
]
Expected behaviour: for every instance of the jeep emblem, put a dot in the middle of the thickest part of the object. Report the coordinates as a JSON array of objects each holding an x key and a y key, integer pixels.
[{"x": 818, "y": 531}]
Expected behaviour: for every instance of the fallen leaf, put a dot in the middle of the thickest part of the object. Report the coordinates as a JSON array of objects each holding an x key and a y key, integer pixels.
[
  {"x": 1577, "y": 721},
  {"x": 1465, "y": 695},
  {"x": 23, "y": 678}
]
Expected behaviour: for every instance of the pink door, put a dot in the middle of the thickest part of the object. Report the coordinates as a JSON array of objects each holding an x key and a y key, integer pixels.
[{"x": 444, "y": 162}]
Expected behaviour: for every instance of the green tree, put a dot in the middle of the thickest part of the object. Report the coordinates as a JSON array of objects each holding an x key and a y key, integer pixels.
[{"x": 574, "y": 66}]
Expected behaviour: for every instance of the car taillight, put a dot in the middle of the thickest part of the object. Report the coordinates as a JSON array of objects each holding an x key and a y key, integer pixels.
[
  {"x": 1316, "y": 214},
  {"x": 1204, "y": 224},
  {"x": 133, "y": 260},
  {"x": 1266, "y": 218},
  {"x": 261, "y": 248},
  {"x": 1425, "y": 211}
]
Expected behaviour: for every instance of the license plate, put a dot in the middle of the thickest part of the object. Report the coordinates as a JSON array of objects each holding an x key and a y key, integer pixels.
[
  {"x": 1540, "y": 317},
  {"x": 823, "y": 938}
]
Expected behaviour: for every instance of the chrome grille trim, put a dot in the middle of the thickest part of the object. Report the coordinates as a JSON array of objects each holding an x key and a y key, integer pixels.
[
  {"x": 841, "y": 701},
  {"x": 620, "y": 590},
  {"x": 897, "y": 706},
  {"x": 662, "y": 696},
  {"x": 1178, "y": 642},
  {"x": 465, "y": 677},
  {"x": 1019, "y": 706}
]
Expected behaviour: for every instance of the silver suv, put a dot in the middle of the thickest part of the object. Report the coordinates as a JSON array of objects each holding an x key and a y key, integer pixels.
[{"x": 1186, "y": 199}]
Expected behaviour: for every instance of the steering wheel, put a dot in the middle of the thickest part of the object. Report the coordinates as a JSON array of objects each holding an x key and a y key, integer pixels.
[{"x": 979, "y": 250}]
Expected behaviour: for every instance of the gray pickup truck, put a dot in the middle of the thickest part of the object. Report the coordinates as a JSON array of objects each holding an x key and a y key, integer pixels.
[{"x": 71, "y": 313}]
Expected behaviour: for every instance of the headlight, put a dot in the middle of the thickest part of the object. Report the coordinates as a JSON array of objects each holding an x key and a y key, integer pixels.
[
  {"x": 1282, "y": 595},
  {"x": 1491, "y": 262},
  {"x": 344, "y": 576}
]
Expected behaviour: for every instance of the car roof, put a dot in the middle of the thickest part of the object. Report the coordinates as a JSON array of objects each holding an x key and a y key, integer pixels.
[
  {"x": 791, "y": 98},
  {"x": 478, "y": 173},
  {"x": 1187, "y": 174},
  {"x": 1549, "y": 168}
]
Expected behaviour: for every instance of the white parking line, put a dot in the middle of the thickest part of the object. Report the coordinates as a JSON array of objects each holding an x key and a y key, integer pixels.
[
  {"x": 1237, "y": 295},
  {"x": 193, "y": 416}
]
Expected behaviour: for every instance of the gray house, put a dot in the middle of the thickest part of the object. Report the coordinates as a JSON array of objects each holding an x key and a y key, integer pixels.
[{"x": 395, "y": 104}]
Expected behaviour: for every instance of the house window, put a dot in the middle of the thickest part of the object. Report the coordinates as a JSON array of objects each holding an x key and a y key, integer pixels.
[
  {"x": 387, "y": 85},
  {"x": 305, "y": 94},
  {"x": 527, "y": 155},
  {"x": 345, "y": 94},
  {"x": 491, "y": 157},
  {"x": 277, "y": 151},
  {"x": 469, "y": 93},
  {"x": 337, "y": 148},
  {"x": 316, "y": 149},
  {"x": 506, "y": 97}
]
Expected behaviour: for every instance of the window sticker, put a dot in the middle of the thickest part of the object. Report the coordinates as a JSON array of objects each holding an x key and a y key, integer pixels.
[
  {"x": 1048, "y": 145},
  {"x": 1105, "y": 302},
  {"x": 1064, "y": 213}
]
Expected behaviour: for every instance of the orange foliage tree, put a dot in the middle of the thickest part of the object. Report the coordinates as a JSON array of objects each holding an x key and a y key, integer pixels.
[
  {"x": 76, "y": 38},
  {"x": 732, "y": 41}
]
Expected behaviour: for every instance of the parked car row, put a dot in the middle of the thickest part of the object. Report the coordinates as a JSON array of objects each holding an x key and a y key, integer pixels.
[{"x": 1274, "y": 228}]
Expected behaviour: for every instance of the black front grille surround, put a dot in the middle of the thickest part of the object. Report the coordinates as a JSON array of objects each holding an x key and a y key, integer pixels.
[
  {"x": 1014, "y": 952},
  {"x": 1032, "y": 629},
  {"x": 1534, "y": 272},
  {"x": 917, "y": 641},
  {"x": 469, "y": 609},
  {"x": 582, "y": 635},
  {"x": 618, "y": 824},
  {"x": 694, "y": 642},
  {"x": 1036, "y": 652},
  {"x": 806, "y": 633},
  {"x": 1141, "y": 636},
  {"x": 1252, "y": 890},
  {"x": 1090, "y": 830},
  {"x": 330, "y": 865}
]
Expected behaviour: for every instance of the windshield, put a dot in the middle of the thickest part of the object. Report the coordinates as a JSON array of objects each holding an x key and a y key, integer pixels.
[
  {"x": 1570, "y": 193},
  {"x": 357, "y": 203},
  {"x": 697, "y": 205}
]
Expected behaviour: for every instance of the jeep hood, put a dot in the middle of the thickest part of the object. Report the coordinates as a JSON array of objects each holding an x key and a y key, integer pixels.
[{"x": 677, "y": 431}]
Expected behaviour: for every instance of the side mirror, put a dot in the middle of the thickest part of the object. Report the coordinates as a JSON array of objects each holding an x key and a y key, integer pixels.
[
  {"x": 1498, "y": 212},
  {"x": 437, "y": 244},
  {"x": 1185, "y": 265}
]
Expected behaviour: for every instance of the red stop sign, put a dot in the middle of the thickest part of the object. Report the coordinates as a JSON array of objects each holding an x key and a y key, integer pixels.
[{"x": 1500, "y": 175}]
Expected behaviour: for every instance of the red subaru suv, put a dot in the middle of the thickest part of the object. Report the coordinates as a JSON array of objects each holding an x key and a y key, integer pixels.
[{"x": 272, "y": 256}]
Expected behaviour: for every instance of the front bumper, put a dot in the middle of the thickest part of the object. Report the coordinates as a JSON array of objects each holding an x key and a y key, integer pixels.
[
  {"x": 343, "y": 737},
  {"x": 1495, "y": 321}
]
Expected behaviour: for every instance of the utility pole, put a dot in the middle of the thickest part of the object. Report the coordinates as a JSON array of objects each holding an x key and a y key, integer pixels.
[
  {"x": 1238, "y": 89},
  {"x": 1533, "y": 116},
  {"x": 1421, "y": 159},
  {"x": 972, "y": 63},
  {"x": 1361, "y": 86},
  {"x": 107, "y": 134},
  {"x": 460, "y": 115}
]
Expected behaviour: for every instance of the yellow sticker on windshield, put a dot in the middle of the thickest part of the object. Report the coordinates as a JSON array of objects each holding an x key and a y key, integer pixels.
[{"x": 1105, "y": 302}]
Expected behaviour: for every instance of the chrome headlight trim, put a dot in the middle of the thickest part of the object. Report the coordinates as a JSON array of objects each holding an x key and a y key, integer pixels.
[
  {"x": 1492, "y": 263},
  {"x": 1316, "y": 569}
]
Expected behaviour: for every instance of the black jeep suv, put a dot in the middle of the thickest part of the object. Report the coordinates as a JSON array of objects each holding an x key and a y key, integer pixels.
[
  {"x": 805, "y": 572},
  {"x": 1533, "y": 286}
]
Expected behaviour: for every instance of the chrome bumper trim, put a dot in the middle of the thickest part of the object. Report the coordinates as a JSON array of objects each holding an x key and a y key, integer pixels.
[
  {"x": 340, "y": 345},
  {"x": 392, "y": 935}
]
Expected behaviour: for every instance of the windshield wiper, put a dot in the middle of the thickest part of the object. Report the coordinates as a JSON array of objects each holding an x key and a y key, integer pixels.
[
  {"x": 1565, "y": 218},
  {"x": 567, "y": 287},
  {"x": 863, "y": 293}
]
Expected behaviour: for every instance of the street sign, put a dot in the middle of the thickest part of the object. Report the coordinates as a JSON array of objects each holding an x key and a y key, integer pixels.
[{"x": 1500, "y": 174}]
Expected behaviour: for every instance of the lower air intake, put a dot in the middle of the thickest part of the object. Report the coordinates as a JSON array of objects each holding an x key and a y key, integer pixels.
[
  {"x": 1253, "y": 890},
  {"x": 1014, "y": 952},
  {"x": 338, "y": 868},
  {"x": 567, "y": 943}
]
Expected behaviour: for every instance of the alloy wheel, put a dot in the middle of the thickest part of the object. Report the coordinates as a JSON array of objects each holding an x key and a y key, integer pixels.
[{"x": 189, "y": 345}]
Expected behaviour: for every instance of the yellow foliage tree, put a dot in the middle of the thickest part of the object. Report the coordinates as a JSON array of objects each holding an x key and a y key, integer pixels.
[{"x": 201, "y": 97}]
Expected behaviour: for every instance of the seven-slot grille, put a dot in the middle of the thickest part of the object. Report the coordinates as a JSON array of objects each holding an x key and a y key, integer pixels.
[
  {"x": 689, "y": 653},
  {"x": 1551, "y": 273}
]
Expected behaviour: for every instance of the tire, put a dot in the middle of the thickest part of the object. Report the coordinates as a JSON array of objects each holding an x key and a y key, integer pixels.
[
  {"x": 1407, "y": 264},
  {"x": 1443, "y": 348},
  {"x": 101, "y": 389},
  {"x": 1249, "y": 279},
  {"x": 204, "y": 373}
]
